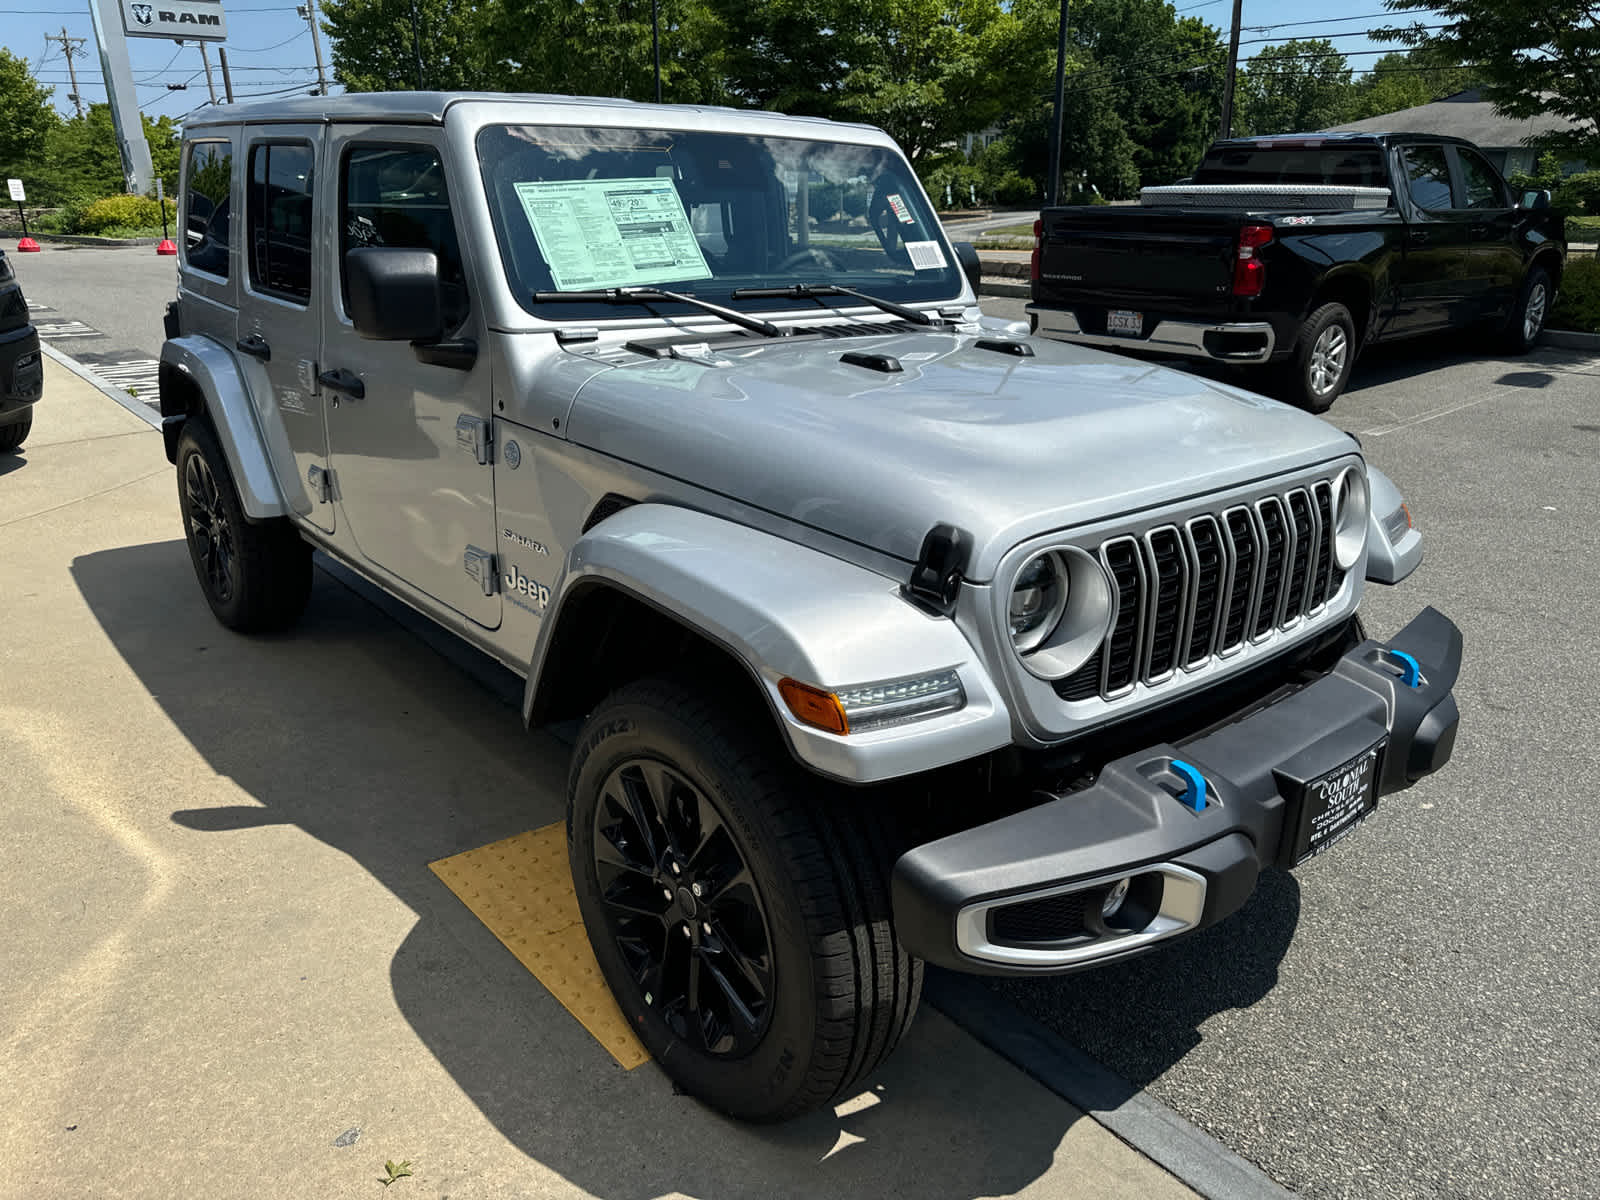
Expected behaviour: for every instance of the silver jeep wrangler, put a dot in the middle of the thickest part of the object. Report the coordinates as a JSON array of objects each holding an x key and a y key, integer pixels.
[{"x": 896, "y": 636}]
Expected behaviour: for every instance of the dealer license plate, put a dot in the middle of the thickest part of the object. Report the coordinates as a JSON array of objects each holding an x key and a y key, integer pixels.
[
  {"x": 1332, "y": 805},
  {"x": 1125, "y": 322}
]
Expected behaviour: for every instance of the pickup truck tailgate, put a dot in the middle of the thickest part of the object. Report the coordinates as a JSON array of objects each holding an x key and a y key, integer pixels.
[{"x": 1134, "y": 252}]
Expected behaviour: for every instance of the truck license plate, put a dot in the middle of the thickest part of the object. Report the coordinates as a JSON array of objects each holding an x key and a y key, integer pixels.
[
  {"x": 1332, "y": 805},
  {"x": 1125, "y": 322}
]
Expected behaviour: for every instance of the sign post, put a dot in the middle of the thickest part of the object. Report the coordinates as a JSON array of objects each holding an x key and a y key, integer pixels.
[
  {"x": 27, "y": 245},
  {"x": 165, "y": 246}
]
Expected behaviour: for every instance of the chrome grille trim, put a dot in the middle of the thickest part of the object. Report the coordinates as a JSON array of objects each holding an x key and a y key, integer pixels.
[{"x": 1232, "y": 585}]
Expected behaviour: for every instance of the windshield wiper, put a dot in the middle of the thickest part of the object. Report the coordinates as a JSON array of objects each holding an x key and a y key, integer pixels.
[
  {"x": 810, "y": 291},
  {"x": 643, "y": 294}
]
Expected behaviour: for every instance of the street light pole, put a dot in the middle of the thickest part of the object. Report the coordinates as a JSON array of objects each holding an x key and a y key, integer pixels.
[{"x": 1061, "y": 96}]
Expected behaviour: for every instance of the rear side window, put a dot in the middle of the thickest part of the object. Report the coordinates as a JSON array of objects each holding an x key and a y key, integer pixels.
[
  {"x": 394, "y": 195},
  {"x": 1428, "y": 177},
  {"x": 280, "y": 220},
  {"x": 208, "y": 206},
  {"x": 1483, "y": 186}
]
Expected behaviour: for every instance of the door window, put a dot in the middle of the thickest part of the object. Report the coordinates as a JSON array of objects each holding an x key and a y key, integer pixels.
[
  {"x": 280, "y": 220},
  {"x": 207, "y": 206},
  {"x": 1483, "y": 186},
  {"x": 395, "y": 196},
  {"x": 1428, "y": 177}
]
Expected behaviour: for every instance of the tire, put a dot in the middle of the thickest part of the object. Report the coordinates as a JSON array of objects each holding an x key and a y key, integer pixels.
[
  {"x": 1319, "y": 367},
  {"x": 837, "y": 992},
  {"x": 14, "y": 434},
  {"x": 1526, "y": 320},
  {"x": 256, "y": 577}
]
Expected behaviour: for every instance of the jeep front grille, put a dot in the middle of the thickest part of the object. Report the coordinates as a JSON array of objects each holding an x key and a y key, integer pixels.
[{"x": 1187, "y": 594}]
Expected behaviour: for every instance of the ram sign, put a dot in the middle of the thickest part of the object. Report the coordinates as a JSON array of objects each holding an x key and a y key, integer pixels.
[{"x": 191, "y": 20}]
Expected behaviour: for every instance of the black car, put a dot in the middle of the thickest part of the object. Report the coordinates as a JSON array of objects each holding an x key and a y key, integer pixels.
[
  {"x": 21, "y": 372},
  {"x": 1293, "y": 254}
]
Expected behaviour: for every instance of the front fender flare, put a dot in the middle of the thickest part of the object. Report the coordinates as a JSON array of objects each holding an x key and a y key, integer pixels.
[
  {"x": 1388, "y": 560},
  {"x": 213, "y": 371},
  {"x": 784, "y": 610}
]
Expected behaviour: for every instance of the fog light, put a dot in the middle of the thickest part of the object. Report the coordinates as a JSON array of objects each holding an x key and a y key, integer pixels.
[{"x": 1115, "y": 897}]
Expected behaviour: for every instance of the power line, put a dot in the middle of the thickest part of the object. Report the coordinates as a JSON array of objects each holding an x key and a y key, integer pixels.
[{"x": 275, "y": 46}]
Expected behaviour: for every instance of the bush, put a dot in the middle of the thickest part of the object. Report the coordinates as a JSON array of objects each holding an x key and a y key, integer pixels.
[
  {"x": 1579, "y": 305},
  {"x": 1580, "y": 193},
  {"x": 123, "y": 213}
]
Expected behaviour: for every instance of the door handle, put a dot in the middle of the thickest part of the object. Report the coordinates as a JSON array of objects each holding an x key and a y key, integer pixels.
[
  {"x": 1418, "y": 237},
  {"x": 340, "y": 380},
  {"x": 255, "y": 346}
]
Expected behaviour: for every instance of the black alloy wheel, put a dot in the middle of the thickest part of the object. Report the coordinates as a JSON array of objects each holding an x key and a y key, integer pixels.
[
  {"x": 686, "y": 914},
  {"x": 209, "y": 530}
]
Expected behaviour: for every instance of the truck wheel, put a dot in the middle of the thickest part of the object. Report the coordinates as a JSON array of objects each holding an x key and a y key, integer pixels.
[
  {"x": 1323, "y": 355},
  {"x": 1525, "y": 322},
  {"x": 256, "y": 577},
  {"x": 738, "y": 908},
  {"x": 14, "y": 434}
]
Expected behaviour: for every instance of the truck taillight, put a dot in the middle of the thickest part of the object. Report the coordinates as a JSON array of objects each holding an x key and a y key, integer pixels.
[
  {"x": 1038, "y": 240},
  {"x": 1249, "y": 272}
]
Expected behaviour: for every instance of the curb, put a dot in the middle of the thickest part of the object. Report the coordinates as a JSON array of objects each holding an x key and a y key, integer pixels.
[
  {"x": 1005, "y": 287},
  {"x": 137, "y": 407},
  {"x": 1571, "y": 339},
  {"x": 1145, "y": 1124},
  {"x": 80, "y": 239}
]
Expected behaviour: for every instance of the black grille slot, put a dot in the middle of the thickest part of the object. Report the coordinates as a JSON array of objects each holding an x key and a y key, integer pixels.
[
  {"x": 1246, "y": 558},
  {"x": 1319, "y": 584},
  {"x": 1122, "y": 557},
  {"x": 1276, "y": 530},
  {"x": 1208, "y": 571},
  {"x": 852, "y": 329},
  {"x": 1304, "y": 528},
  {"x": 1084, "y": 683},
  {"x": 1052, "y": 919},
  {"x": 1170, "y": 582}
]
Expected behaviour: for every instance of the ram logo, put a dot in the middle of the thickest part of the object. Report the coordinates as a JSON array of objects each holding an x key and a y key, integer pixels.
[{"x": 142, "y": 13}]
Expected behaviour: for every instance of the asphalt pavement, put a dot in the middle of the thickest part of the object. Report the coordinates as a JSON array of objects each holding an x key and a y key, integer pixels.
[{"x": 1417, "y": 1012}]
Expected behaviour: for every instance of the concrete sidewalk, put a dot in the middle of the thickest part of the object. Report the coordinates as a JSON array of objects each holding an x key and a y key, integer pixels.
[{"x": 229, "y": 971}]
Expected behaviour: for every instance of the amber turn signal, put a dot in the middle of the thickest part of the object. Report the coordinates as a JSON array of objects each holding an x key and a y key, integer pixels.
[{"x": 813, "y": 706}]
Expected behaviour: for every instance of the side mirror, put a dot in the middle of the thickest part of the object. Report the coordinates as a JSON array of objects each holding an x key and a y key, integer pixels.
[
  {"x": 971, "y": 265},
  {"x": 1535, "y": 199},
  {"x": 394, "y": 294}
]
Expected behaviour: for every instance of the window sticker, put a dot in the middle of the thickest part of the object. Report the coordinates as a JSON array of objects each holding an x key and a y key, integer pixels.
[
  {"x": 600, "y": 233},
  {"x": 900, "y": 209},
  {"x": 926, "y": 256}
]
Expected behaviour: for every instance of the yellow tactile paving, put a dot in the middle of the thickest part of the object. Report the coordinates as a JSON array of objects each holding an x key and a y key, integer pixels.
[{"x": 521, "y": 889}]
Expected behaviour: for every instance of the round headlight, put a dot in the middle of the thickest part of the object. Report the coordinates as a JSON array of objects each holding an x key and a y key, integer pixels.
[
  {"x": 1350, "y": 512},
  {"x": 1038, "y": 598}
]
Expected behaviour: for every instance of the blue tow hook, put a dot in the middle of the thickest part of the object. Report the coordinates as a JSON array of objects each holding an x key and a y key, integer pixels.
[
  {"x": 1194, "y": 786},
  {"x": 1410, "y": 670}
]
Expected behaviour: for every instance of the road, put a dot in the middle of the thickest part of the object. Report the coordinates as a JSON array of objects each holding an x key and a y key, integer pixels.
[{"x": 1416, "y": 1013}]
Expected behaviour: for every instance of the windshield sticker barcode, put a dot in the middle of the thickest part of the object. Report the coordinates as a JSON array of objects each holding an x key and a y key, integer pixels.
[{"x": 926, "y": 256}]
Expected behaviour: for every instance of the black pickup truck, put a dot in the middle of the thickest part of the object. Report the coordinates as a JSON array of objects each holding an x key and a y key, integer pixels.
[{"x": 1294, "y": 253}]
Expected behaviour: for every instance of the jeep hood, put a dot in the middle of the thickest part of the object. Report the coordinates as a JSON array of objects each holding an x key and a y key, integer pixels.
[{"x": 1003, "y": 446}]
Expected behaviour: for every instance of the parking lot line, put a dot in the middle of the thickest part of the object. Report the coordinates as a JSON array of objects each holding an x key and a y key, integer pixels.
[{"x": 521, "y": 889}]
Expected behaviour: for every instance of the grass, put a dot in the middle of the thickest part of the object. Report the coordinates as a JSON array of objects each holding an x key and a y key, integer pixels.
[
  {"x": 987, "y": 242},
  {"x": 1583, "y": 229}
]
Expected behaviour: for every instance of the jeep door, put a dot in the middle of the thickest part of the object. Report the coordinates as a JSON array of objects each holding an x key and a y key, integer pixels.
[
  {"x": 408, "y": 431},
  {"x": 280, "y": 305}
]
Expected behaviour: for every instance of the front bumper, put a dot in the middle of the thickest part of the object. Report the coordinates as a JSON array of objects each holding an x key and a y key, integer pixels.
[
  {"x": 1225, "y": 341},
  {"x": 21, "y": 370},
  {"x": 1022, "y": 895}
]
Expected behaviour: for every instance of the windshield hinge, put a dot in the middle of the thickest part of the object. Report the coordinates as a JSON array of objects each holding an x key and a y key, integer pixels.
[{"x": 935, "y": 582}]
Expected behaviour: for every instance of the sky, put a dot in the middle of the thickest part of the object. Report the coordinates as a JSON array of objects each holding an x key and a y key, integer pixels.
[{"x": 269, "y": 46}]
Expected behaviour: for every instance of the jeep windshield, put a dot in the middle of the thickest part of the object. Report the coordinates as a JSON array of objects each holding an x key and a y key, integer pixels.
[{"x": 706, "y": 214}]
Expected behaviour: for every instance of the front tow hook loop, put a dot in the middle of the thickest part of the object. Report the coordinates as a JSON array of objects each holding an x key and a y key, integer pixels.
[
  {"x": 1410, "y": 670},
  {"x": 1194, "y": 786}
]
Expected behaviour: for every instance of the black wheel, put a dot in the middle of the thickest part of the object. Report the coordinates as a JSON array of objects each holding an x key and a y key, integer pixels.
[
  {"x": 1525, "y": 322},
  {"x": 256, "y": 577},
  {"x": 738, "y": 907},
  {"x": 1319, "y": 368},
  {"x": 14, "y": 434}
]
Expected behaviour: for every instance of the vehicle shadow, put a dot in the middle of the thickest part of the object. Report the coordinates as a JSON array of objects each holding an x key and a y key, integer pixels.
[
  {"x": 364, "y": 737},
  {"x": 14, "y": 460}
]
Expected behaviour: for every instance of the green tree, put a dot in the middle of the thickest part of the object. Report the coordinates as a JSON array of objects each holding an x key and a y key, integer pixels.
[
  {"x": 26, "y": 117},
  {"x": 375, "y": 45},
  {"x": 1531, "y": 56},
  {"x": 1298, "y": 86},
  {"x": 166, "y": 146},
  {"x": 1400, "y": 80}
]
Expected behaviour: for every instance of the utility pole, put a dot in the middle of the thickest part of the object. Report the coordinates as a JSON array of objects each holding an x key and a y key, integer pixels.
[
  {"x": 205, "y": 61},
  {"x": 1233, "y": 71},
  {"x": 655, "y": 41},
  {"x": 308, "y": 10},
  {"x": 227, "y": 80},
  {"x": 1061, "y": 98},
  {"x": 69, "y": 48}
]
